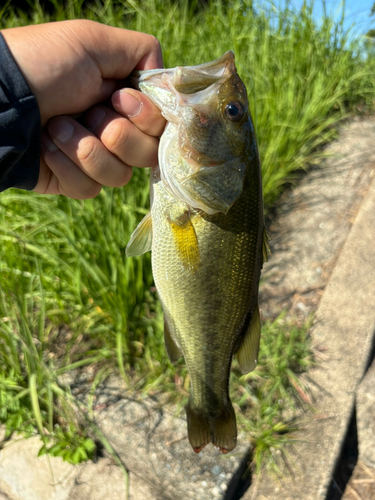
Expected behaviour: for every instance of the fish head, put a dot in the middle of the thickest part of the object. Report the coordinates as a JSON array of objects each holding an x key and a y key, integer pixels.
[
  {"x": 209, "y": 138},
  {"x": 215, "y": 120}
]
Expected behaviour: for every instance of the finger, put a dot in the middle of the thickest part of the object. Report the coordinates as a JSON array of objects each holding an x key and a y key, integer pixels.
[
  {"x": 47, "y": 181},
  {"x": 88, "y": 152},
  {"x": 118, "y": 51},
  {"x": 122, "y": 138},
  {"x": 140, "y": 110},
  {"x": 59, "y": 175}
]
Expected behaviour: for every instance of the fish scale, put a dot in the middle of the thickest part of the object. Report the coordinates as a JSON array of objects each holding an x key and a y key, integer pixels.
[{"x": 207, "y": 232}]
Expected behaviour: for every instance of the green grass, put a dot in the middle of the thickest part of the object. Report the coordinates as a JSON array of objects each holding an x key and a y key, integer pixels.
[{"x": 68, "y": 295}]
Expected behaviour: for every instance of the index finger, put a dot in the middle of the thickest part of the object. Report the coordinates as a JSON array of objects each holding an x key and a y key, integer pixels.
[{"x": 119, "y": 51}]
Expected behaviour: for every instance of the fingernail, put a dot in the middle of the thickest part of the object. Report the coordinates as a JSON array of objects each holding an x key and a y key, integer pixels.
[
  {"x": 126, "y": 103},
  {"x": 61, "y": 129},
  {"x": 94, "y": 118},
  {"x": 48, "y": 144}
]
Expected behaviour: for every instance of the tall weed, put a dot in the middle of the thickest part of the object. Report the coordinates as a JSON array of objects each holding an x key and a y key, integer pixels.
[{"x": 68, "y": 295}]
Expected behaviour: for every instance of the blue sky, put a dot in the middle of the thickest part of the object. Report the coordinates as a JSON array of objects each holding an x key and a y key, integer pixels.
[{"x": 357, "y": 12}]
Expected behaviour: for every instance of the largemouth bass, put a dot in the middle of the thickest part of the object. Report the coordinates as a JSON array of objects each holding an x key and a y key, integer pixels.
[{"x": 207, "y": 236}]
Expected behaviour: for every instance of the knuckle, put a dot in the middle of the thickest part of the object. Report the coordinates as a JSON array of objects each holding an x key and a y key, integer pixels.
[
  {"x": 85, "y": 24},
  {"x": 154, "y": 42},
  {"x": 116, "y": 135},
  {"x": 88, "y": 150}
]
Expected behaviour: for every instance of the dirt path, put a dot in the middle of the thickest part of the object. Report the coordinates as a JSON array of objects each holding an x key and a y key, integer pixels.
[
  {"x": 312, "y": 221},
  {"x": 308, "y": 230}
]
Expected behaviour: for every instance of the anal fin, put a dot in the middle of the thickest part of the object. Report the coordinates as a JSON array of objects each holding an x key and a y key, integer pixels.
[
  {"x": 247, "y": 354},
  {"x": 171, "y": 347},
  {"x": 141, "y": 239}
]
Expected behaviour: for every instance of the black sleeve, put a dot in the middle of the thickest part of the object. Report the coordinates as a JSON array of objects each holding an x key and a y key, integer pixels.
[{"x": 20, "y": 126}]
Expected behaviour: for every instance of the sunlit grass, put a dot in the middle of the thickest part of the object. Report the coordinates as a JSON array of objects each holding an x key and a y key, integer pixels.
[{"x": 70, "y": 298}]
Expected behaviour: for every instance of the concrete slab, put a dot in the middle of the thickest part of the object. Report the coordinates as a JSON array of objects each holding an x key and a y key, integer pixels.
[
  {"x": 343, "y": 336},
  {"x": 104, "y": 480},
  {"x": 25, "y": 476},
  {"x": 153, "y": 444},
  {"x": 365, "y": 407}
]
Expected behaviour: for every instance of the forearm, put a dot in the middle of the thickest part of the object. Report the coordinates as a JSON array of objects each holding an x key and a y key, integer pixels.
[{"x": 20, "y": 126}]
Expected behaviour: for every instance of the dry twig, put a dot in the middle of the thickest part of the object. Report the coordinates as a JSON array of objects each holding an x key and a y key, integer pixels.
[
  {"x": 368, "y": 471},
  {"x": 354, "y": 492}
]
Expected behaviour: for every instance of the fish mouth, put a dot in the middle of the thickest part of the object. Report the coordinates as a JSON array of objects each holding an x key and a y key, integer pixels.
[
  {"x": 213, "y": 68},
  {"x": 189, "y": 79},
  {"x": 174, "y": 88},
  {"x": 192, "y": 79}
]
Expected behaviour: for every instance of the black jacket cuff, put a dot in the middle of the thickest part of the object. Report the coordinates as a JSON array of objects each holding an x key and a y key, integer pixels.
[{"x": 20, "y": 126}]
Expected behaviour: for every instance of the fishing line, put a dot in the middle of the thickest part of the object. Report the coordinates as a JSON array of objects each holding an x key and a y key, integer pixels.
[{"x": 255, "y": 103}]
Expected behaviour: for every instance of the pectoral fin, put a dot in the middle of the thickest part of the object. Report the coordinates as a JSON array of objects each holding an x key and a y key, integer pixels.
[
  {"x": 265, "y": 247},
  {"x": 247, "y": 354},
  {"x": 141, "y": 239},
  {"x": 186, "y": 242},
  {"x": 171, "y": 347}
]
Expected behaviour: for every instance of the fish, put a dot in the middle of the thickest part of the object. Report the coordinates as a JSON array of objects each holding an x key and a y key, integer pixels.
[{"x": 206, "y": 234}]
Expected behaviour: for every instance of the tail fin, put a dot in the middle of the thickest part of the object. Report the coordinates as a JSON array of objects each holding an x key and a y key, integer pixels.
[
  {"x": 220, "y": 429},
  {"x": 198, "y": 428},
  {"x": 224, "y": 430}
]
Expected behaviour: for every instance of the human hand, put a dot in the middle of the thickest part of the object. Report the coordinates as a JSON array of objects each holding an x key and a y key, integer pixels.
[{"x": 71, "y": 67}]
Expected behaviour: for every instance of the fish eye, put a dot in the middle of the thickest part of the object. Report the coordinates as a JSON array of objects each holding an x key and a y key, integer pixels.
[{"x": 234, "y": 111}]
